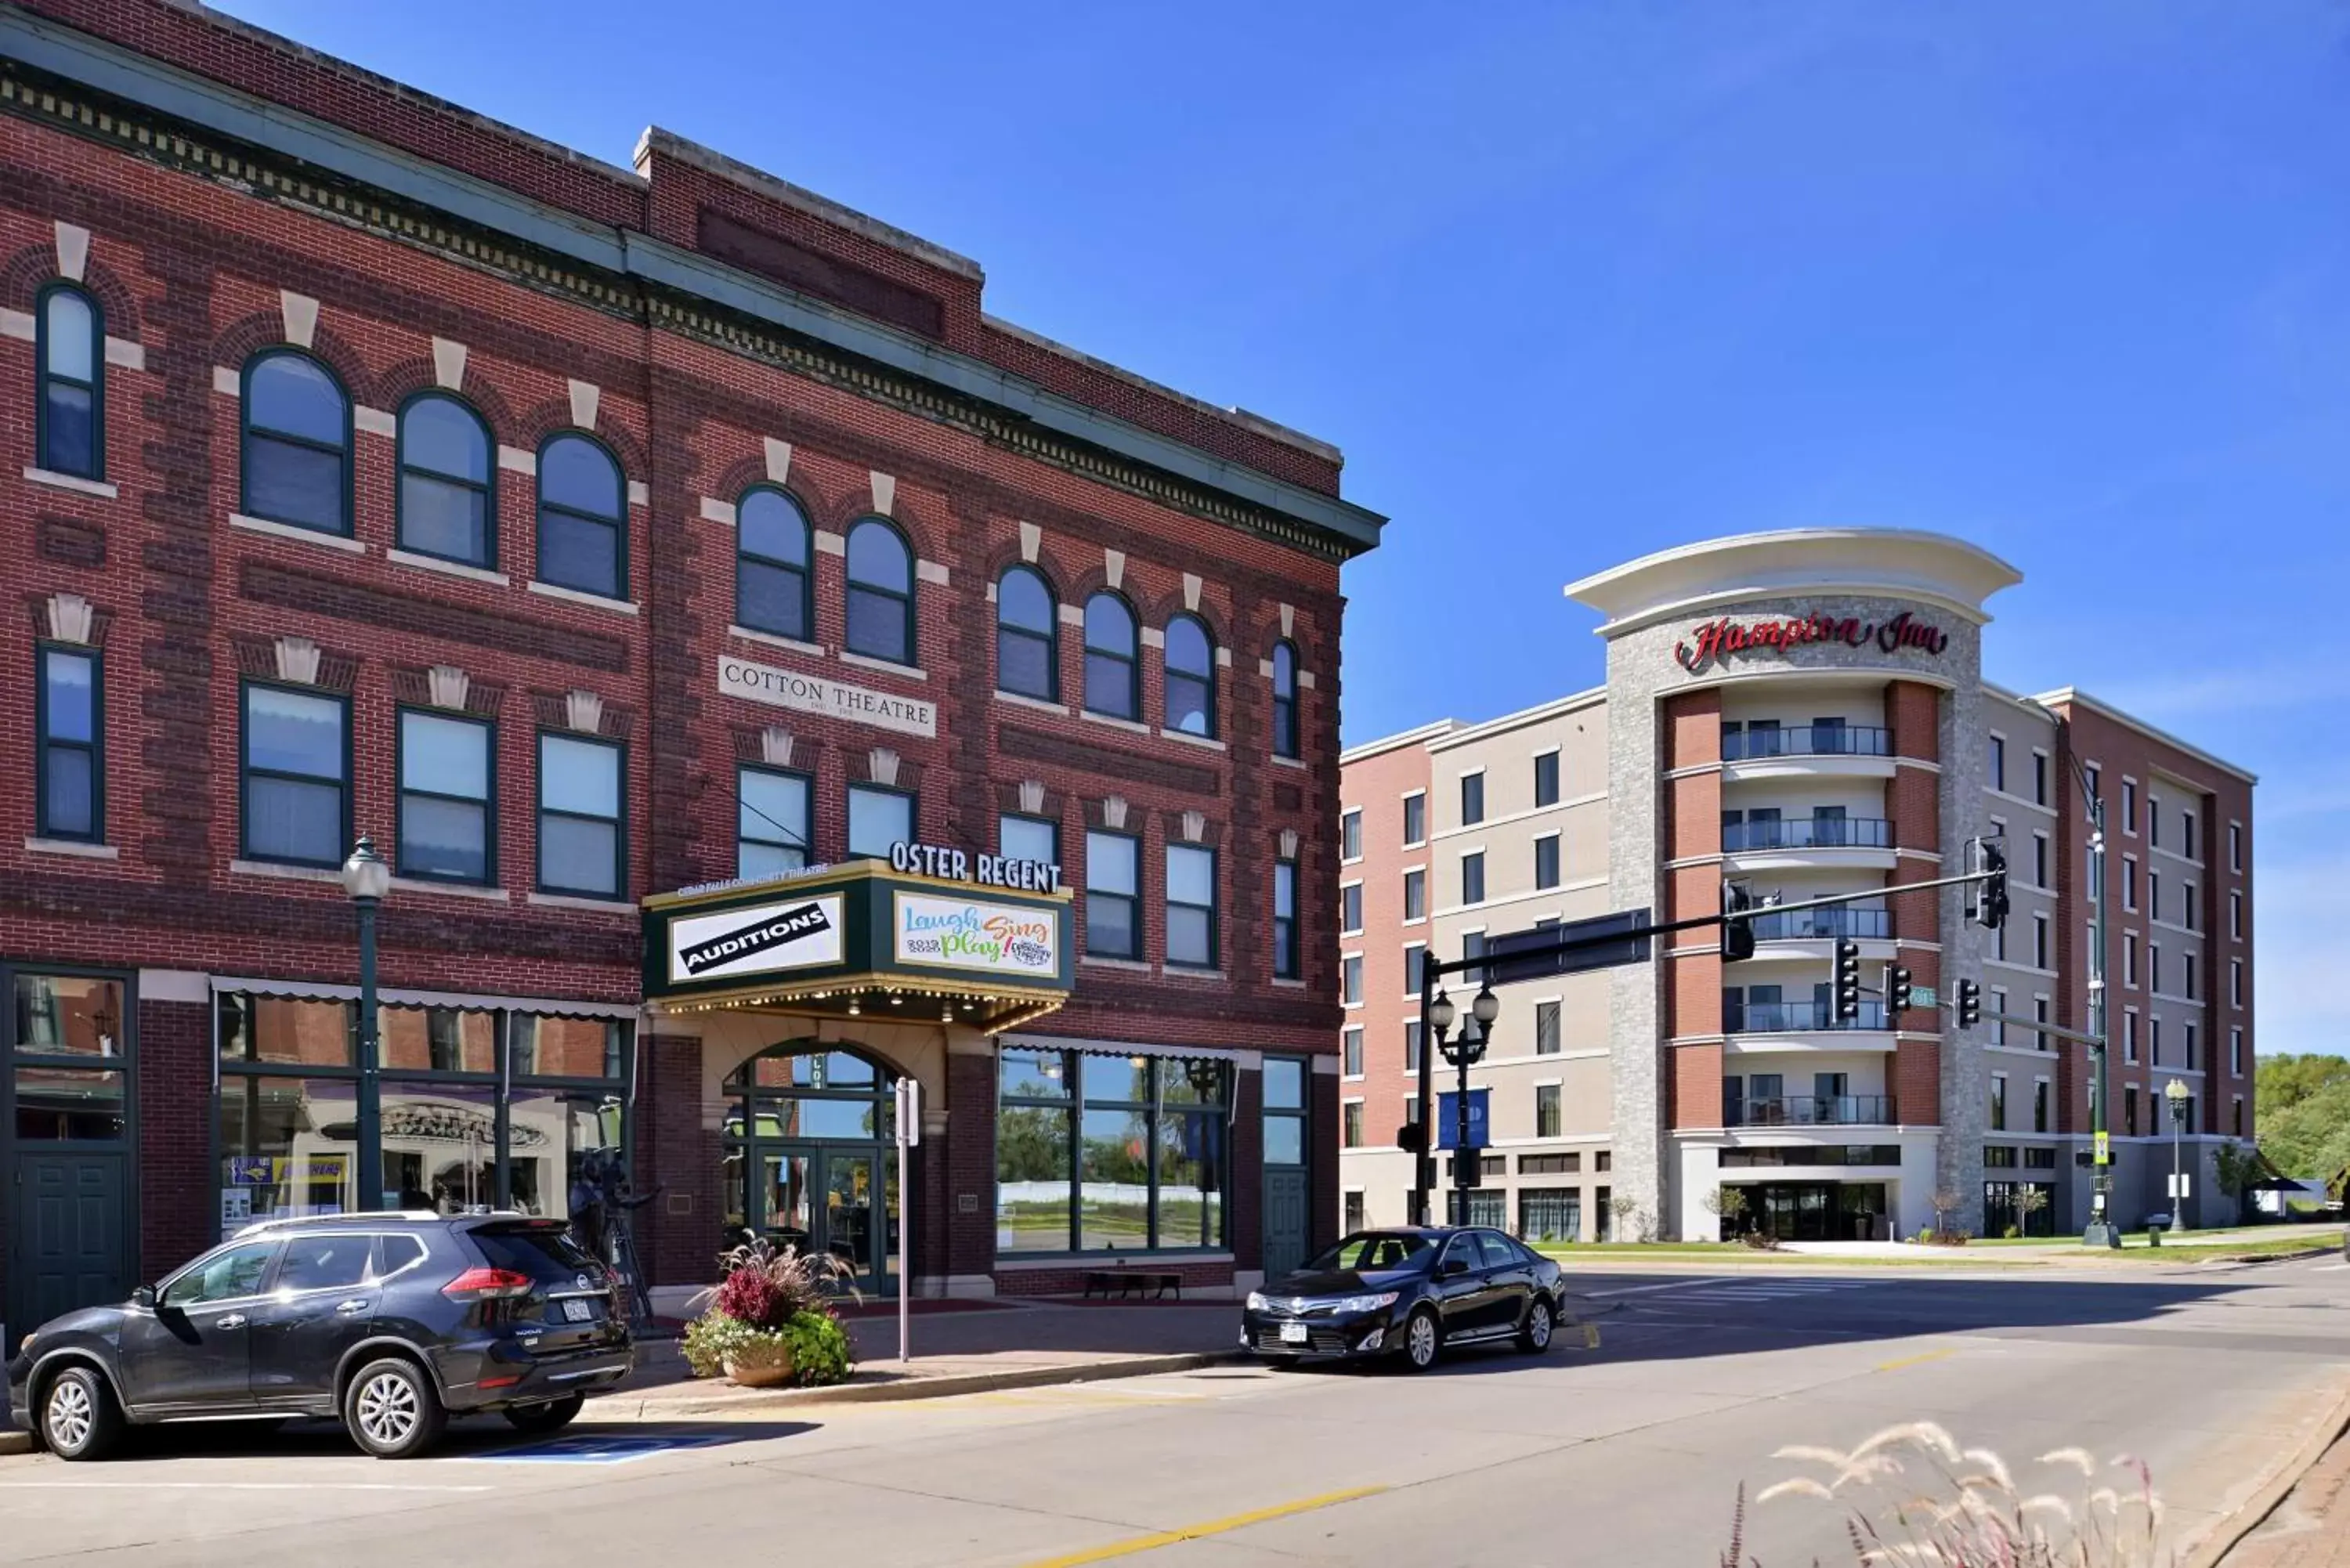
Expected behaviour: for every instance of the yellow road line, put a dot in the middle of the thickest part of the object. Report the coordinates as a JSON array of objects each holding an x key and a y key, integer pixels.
[
  {"x": 1196, "y": 1531},
  {"x": 1914, "y": 1360}
]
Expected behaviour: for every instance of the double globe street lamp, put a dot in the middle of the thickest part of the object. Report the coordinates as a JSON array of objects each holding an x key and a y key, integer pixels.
[
  {"x": 366, "y": 877},
  {"x": 1463, "y": 1054},
  {"x": 2175, "y": 1094}
]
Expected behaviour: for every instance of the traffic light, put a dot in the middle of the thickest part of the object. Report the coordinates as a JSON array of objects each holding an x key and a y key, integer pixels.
[
  {"x": 1896, "y": 990},
  {"x": 1969, "y": 1004},
  {"x": 1468, "y": 1168},
  {"x": 1413, "y": 1136},
  {"x": 1847, "y": 980},
  {"x": 1990, "y": 863},
  {"x": 1737, "y": 924}
]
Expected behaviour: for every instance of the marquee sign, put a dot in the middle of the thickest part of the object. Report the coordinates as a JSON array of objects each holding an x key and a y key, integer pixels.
[
  {"x": 1715, "y": 641},
  {"x": 759, "y": 938},
  {"x": 966, "y": 933},
  {"x": 987, "y": 870}
]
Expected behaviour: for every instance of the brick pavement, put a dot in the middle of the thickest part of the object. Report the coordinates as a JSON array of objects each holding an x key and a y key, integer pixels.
[{"x": 2310, "y": 1529}]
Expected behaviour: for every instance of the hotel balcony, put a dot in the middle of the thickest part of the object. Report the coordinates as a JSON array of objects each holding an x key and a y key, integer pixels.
[
  {"x": 1799, "y": 1018},
  {"x": 1853, "y": 843},
  {"x": 1813, "y": 1111},
  {"x": 1807, "y": 751},
  {"x": 1813, "y": 933}
]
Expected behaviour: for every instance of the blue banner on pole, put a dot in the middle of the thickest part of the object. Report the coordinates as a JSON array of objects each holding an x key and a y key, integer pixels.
[{"x": 1447, "y": 1114}]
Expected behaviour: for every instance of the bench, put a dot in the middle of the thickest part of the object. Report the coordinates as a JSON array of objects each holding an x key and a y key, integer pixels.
[{"x": 1124, "y": 1283}]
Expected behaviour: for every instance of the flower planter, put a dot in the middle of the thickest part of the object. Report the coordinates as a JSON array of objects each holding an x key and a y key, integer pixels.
[{"x": 760, "y": 1365}]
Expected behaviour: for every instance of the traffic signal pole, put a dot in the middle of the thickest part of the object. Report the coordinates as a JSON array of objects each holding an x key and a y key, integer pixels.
[{"x": 1432, "y": 970}]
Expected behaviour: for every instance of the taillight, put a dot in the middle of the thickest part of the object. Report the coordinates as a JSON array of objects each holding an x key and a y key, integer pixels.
[{"x": 487, "y": 1285}]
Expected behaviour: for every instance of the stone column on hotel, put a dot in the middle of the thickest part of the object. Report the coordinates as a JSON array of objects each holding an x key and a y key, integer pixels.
[
  {"x": 1691, "y": 831},
  {"x": 1913, "y": 810}
]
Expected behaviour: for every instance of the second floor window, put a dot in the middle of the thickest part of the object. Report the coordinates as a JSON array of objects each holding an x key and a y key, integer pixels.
[
  {"x": 69, "y": 415},
  {"x": 877, "y": 819},
  {"x": 1029, "y": 838},
  {"x": 1284, "y": 922},
  {"x": 771, "y": 832},
  {"x": 880, "y": 593},
  {"x": 580, "y": 847},
  {"x": 71, "y": 787},
  {"x": 582, "y": 518},
  {"x": 1027, "y": 637},
  {"x": 771, "y": 566},
  {"x": 298, "y": 444},
  {"x": 296, "y": 773},
  {"x": 1190, "y": 677},
  {"x": 445, "y": 794},
  {"x": 1113, "y": 672},
  {"x": 1113, "y": 879},
  {"x": 1190, "y": 906},
  {"x": 448, "y": 502}
]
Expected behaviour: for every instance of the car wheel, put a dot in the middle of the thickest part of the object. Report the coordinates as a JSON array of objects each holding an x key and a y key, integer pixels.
[
  {"x": 551, "y": 1416},
  {"x": 392, "y": 1410},
  {"x": 1534, "y": 1335},
  {"x": 1422, "y": 1341},
  {"x": 79, "y": 1420}
]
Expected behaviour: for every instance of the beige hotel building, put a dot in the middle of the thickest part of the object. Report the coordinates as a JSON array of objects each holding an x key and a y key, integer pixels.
[{"x": 1803, "y": 712}]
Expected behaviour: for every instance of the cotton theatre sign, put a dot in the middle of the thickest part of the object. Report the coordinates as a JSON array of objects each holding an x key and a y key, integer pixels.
[
  {"x": 936, "y": 919},
  {"x": 1719, "y": 641}
]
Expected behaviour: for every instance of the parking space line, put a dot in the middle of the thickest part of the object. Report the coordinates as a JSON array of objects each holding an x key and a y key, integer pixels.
[
  {"x": 1947, "y": 1351},
  {"x": 1667, "y": 1285},
  {"x": 228, "y": 1486},
  {"x": 1197, "y": 1532}
]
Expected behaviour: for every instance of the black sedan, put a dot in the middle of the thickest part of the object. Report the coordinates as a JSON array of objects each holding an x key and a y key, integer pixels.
[
  {"x": 1415, "y": 1293},
  {"x": 392, "y": 1323}
]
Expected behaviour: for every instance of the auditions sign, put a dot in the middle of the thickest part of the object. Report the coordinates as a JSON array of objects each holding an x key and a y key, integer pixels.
[
  {"x": 1717, "y": 640},
  {"x": 797, "y": 933}
]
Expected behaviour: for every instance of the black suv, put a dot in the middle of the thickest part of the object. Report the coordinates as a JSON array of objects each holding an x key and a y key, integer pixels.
[
  {"x": 1407, "y": 1293},
  {"x": 390, "y": 1321}
]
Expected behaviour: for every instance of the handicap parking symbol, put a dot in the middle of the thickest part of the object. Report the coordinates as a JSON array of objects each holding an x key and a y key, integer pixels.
[{"x": 589, "y": 1451}]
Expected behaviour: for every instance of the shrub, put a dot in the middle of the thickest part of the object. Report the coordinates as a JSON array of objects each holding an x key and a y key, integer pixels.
[
  {"x": 820, "y": 1349},
  {"x": 1761, "y": 1240},
  {"x": 2012, "y": 1233},
  {"x": 1909, "y": 1494},
  {"x": 778, "y": 1298}
]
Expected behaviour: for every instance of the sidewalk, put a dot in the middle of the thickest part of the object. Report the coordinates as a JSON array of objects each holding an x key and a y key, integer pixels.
[
  {"x": 2311, "y": 1528},
  {"x": 1008, "y": 1345}
]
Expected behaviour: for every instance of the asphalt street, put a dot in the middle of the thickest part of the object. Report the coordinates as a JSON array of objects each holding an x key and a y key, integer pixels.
[{"x": 1633, "y": 1453}]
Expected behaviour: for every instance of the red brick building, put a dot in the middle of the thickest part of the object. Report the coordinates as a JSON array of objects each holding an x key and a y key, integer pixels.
[{"x": 580, "y": 535}]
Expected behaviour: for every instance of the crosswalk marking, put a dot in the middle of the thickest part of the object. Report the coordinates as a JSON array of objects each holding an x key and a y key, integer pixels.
[{"x": 1724, "y": 1292}]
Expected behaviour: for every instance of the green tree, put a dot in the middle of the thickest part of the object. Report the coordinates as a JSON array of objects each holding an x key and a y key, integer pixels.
[{"x": 2305, "y": 1113}]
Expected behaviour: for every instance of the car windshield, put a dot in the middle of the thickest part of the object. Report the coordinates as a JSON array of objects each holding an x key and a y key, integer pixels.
[{"x": 1374, "y": 1252}]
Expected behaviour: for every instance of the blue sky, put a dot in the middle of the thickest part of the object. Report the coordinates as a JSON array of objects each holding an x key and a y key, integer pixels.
[{"x": 1570, "y": 283}]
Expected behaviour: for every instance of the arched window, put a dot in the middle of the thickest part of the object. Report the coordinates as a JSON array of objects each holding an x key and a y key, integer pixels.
[
  {"x": 1190, "y": 677},
  {"x": 448, "y": 502},
  {"x": 582, "y": 517},
  {"x": 1113, "y": 673},
  {"x": 1285, "y": 700},
  {"x": 1026, "y": 636},
  {"x": 880, "y": 593},
  {"x": 805, "y": 1132},
  {"x": 770, "y": 565},
  {"x": 298, "y": 442},
  {"x": 70, "y": 410}
]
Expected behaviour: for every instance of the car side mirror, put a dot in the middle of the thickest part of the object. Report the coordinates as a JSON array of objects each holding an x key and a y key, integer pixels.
[
  {"x": 1453, "y": 1266},
  {"x": 144, "y": 1296}
]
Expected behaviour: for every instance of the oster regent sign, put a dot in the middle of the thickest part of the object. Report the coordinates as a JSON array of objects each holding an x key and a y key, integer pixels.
[{"x": 1717, "y": 641}]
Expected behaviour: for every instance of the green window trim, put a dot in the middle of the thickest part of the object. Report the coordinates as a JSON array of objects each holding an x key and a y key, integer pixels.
[
  {"x": 247, "y": 432},
  {"x": 1285, "y": 960},
  {"x": 619, "y": 821},
  {"x": 906, "y": 653},
  {"x": 246, "y": 771},
  {"x": 486, "y": 487},
  {"x": 771, "y": 834},
  {"x": 44, "y": 454},
  {"x": 1286, "y": 740},
  {"x": 1128, "y": 658},
  {"x": 849, "y": 815},
  {"x": 1048, "y": 640},
  {"x": 1182, "y": 675},
  {"x": 1132, "y": 900},
  {"x": 617, "y": 523},
  {"x": 803, "y": 570},
  {"x": 43, "y": 821},
  {"x": 1209, "y": 1113},
  {"x": 402, "y": 789}
]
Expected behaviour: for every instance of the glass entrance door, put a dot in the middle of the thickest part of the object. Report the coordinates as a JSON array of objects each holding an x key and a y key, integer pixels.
[{"x": 824, "y": 1198}]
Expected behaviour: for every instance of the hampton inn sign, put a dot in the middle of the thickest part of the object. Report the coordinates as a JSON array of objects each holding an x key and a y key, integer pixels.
[{"x": 1715, "y": 641}]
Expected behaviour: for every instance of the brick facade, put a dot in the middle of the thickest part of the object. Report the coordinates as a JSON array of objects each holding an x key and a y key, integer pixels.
[{"x": 204, "y": 252}]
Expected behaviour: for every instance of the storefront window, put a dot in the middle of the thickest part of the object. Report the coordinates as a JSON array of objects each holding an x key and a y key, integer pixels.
[
  {"x": 455, "y": 1133},
  {"x": 68, "y": 1015},
  {"x": 55, "y": 1103},
  {"x": 69, "y": 1052},
  {"x": 1140, "y": 1166}
]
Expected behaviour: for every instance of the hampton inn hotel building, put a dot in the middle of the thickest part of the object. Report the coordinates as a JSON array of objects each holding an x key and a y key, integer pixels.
[{"x": 1804, "y": 713}]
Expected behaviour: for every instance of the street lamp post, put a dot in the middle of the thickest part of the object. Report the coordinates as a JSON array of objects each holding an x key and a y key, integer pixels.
[
  {"x": 1467, "y": 1053},
  {"x": 2175, "y": 1092},
  {"x": 2100, "y": 1232},
  {"x": 366, "y": 878}
]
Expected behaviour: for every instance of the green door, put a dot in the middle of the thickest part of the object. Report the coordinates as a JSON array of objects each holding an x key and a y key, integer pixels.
[
  {"x": 68, "y": 1244},
  {"x": 1288, "y": 1187}
]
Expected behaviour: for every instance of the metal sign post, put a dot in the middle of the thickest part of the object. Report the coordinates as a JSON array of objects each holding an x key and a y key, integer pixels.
[{"x": 910, "y": 1133}]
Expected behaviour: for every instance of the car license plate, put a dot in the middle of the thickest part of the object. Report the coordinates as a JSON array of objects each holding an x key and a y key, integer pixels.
[
  {"x": 1294, "y": 1334},
  {"x": 579, "y": 1311}
]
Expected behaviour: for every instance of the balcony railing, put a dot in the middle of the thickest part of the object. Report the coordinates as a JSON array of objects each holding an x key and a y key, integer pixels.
[
  {"x": 1823, "y": 925},
  {"x": 1807, "y": 741},
  {"x": 1808, "y": 832},
  {"x": 1811, "y": 1110},
  {"x": 1798, "y": 1017}
]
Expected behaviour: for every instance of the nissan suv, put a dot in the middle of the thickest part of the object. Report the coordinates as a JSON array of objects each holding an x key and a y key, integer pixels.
[{"x": 391, "y": 1323}]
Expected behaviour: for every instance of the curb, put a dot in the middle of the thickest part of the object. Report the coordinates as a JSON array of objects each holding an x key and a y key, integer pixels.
[
  {"x": 15, "y": 1443},
  {"x": 620, "y": 1407},
  {"x": 2230, "y": 1533}
]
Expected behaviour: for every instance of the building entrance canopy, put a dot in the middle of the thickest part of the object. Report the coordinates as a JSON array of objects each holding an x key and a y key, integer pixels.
[{"x": 862, "y": 939}]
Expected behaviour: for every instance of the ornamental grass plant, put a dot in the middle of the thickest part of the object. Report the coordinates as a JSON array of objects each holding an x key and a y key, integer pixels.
[
  {"x": 1910, "y": 1495},
  {"x": 773, "y": 1309}
]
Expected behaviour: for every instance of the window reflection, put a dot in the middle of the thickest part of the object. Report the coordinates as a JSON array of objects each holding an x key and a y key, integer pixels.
[{"x": 1140, "y": 1166}]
